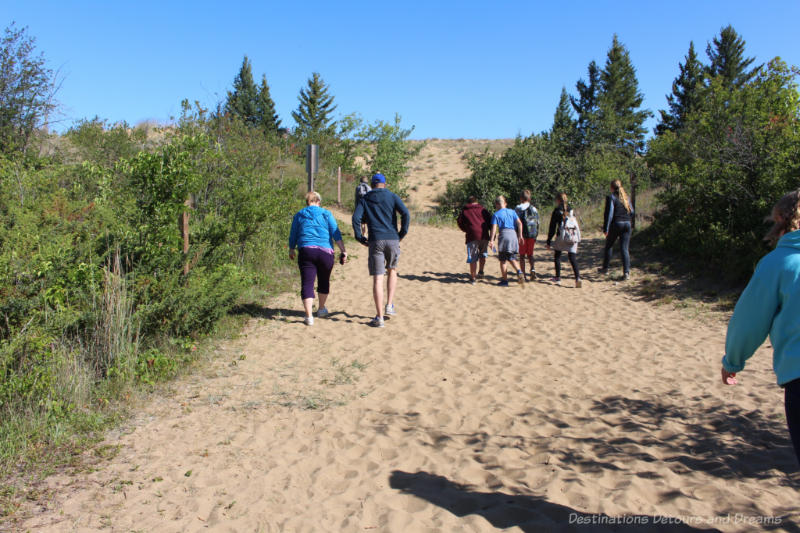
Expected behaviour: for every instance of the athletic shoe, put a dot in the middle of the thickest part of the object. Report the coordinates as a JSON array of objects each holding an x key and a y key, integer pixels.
[
  {"x": 322, "y": 313},
  {"x": 503, "y": 283},
  {"x": 480, "y": 274},
  {"x": 602, "y": 271},
  {"x": 578, "y": 284},
  {"x": 557, "y": 281},
  {"x": 472, "y": 282},
  {"x": 308, "y": 321},
  {"x": 626, "y": 276},
  {"x": 377, "y": 322},
  {"x": 533, "y": 275},
  {"x": 390, "y": 310},
  {"x": 521, "y": 277}
]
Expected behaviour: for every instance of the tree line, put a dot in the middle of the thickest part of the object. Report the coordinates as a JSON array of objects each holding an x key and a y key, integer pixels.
[{"x": 725, "y": 148}]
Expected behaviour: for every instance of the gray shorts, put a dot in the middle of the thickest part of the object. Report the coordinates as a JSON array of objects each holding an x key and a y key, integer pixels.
[{"x": 383, "y": 255}]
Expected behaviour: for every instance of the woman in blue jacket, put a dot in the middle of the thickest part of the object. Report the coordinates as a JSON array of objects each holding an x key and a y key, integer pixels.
[
  {"x": 770, "y": 305},
  {"x": 314, "y": 231}
]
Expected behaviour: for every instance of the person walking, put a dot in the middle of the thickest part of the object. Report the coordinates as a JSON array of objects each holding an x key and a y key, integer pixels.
[
  {"x": 313, "y": 233},
  {"x": 507, "y": 228},
  {"x": 564, "y": 222},
  {"x": 380, "y": 208},
  {"x": 474, "y": 221},
  {"x": 770, "y": 305},
  {"x": 529, "y": 216},
  {"x": 361, "y": 191},
  {"x": 617, "y": 224}
]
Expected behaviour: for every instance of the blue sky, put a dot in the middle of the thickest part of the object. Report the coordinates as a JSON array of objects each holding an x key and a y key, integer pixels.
[{"x": 472, "y": 69}]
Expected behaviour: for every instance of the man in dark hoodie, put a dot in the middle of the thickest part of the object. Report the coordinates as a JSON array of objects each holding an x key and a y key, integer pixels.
[
  {"x": 379, "y": 209},
  {"x": 474, "y": 221}
]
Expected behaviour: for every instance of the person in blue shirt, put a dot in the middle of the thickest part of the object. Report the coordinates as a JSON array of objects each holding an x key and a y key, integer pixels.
[
  {"x": 507, "y": 228},
  {"x": 379, "y": 209},
  {"x": 313, "y": 232},
  {"x": 770, "y": 305}
]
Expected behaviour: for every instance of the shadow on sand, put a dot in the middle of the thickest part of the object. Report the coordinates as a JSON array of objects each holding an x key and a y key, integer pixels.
[
  {"x": 529, "y": 513},
  {"x": 293, "y": 315}
]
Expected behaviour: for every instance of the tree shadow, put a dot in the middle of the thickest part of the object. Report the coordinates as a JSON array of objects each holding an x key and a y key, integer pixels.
[
  {"x": 529, "y": 513},
  {"x": 759, "y": 444},
  {"x": 292, "y": 315},
  {"x": 441, "y": 277}
]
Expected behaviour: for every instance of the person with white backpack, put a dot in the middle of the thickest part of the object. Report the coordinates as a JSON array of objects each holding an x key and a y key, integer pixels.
[
  {"x": 564, "y": 227},
  {"x": 529, "y": 216}
]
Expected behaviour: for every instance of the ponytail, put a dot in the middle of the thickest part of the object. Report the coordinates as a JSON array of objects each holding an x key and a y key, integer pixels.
[{"x": 616, "y": 186}]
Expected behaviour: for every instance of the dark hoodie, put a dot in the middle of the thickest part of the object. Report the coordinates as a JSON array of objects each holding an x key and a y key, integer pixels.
[
  {"x": 379, "y": 210},
  {"x": 474, "y": 221}
]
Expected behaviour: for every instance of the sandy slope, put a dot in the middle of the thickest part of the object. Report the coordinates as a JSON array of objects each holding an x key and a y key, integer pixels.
[
  {"x": 441, "y": 161},
  {"x": 478, "y": 408}
]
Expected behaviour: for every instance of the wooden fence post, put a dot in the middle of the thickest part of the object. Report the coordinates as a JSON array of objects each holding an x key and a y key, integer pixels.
[
  {"x": 339, "y": 186},
  {"x": 185, "y": 233}
]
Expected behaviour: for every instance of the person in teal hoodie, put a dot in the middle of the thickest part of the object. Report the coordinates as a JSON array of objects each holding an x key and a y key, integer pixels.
[
  {"x": 770, "y": 305},
  {"x": 314, "y": 231}
]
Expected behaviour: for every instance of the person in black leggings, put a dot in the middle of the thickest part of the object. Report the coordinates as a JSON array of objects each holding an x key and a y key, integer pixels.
[
  {"x": 617, "y": 224},
  {"x": 560, "y": 213}
]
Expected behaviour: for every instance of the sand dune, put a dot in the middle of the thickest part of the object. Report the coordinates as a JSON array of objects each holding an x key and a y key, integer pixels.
[{"x": 476, "y": 408}]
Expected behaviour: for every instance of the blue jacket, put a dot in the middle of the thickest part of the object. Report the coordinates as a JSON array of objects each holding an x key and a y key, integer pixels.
[
  {"x": 314, "y": 226},
  {"x": 769, "y": 305},
  {"x": 378, "y": 209}
]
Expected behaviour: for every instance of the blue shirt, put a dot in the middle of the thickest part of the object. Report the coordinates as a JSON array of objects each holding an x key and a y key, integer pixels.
[
  {"x": 505, "y": 219},
  {"x": 314, "y": 226},
  {"x": 770, "y": 305}
]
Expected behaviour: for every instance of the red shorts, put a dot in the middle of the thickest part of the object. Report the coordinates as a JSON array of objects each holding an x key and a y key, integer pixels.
[{"x": 526, "y": 248}]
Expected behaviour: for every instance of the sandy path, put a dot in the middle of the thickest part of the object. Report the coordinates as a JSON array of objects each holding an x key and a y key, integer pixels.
[{"x": 475, "y": 408}]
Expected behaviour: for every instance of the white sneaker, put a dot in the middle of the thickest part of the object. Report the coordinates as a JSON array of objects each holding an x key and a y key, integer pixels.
[
  {"x": 322, "y": 313},
  {"x": 376, "y": 322},
  {"x": 309, "y": 321},
  {"x": 390, "y": 310}
]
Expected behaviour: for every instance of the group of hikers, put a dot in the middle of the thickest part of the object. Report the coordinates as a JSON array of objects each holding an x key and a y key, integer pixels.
[
  {"x": 769, "y": 306},
  {"x": 513, "y": 233}
]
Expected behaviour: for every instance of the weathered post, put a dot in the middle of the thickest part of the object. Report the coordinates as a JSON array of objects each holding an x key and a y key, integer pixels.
[
  {"x": 185, "y": 233},
  {"x": 312, "y": 164},
  {"x": 339, "y": 185}
]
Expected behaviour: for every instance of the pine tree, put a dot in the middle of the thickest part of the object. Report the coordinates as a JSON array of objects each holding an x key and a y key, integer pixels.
[
  {"x": 266, "y": 116},
  {"x": 313, "y": 114},
  {"x": 243, "y": 101},
  {"x": 727, "y": 59},
  {"x": 685, "y": 95},
  {"x": 620, "y": 121},
  {"x": 586, "y": 103},
  {"x": 565, "y": 129}
]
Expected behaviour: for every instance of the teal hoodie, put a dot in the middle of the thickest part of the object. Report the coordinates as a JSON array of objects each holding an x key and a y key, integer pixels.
[{"x": 769, "y": 305}]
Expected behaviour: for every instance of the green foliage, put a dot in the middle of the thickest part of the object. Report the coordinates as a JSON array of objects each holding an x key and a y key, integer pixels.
[
  {"x": 266, "y": 115},
  {"x": 242, "y": 102},
  {"x": 735, "y": 156},
  {"x": 685, "y": 95},
  {"x": 27, "y": 90},
  {"x": 390, "y": 151},
  {"x": 727, "y": 60},
  {"x": 313, "y": 115}
]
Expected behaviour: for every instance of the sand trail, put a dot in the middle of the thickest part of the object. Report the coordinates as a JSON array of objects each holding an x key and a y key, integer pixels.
[{"x": 475, "y": 408}]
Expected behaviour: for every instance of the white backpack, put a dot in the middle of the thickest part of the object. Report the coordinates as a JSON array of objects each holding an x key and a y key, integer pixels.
[{"x": 569, "y": 233}]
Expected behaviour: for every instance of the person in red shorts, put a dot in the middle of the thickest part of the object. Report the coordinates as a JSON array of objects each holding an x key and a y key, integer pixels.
[{"x": 529, "y": 216}]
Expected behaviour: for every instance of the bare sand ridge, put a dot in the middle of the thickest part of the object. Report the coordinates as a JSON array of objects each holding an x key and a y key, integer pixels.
[
  {"x": 476, "y": 408},
  {"x": 441, "y": 161}
]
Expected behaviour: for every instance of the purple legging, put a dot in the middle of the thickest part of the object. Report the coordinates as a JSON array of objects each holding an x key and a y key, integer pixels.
[{"x": 315, "y": 262}]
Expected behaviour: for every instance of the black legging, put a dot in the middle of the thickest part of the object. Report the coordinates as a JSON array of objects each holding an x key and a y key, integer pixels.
[
  {"x": 573, "y": 260},
  {"x": 623, "y": 231},
  {"x": 792, "y": 404}
]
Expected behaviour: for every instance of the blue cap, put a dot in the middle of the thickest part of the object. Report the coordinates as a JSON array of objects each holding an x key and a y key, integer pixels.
[{"x": 378, "y": 178}]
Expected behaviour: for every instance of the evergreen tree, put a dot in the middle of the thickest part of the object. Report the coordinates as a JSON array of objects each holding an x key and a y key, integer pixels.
[
  {"x": 685, "y": 95},
  {"x": 565, "y": 129},
  {"x": 620, "y": 121},
  {"x": 726, "y": 55},
  {"x": 586, "y": 103},
  {"x": 313, "y": 114},
  {"x": 243, "y": 101},
  {"x": 266, "y": 116}
]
